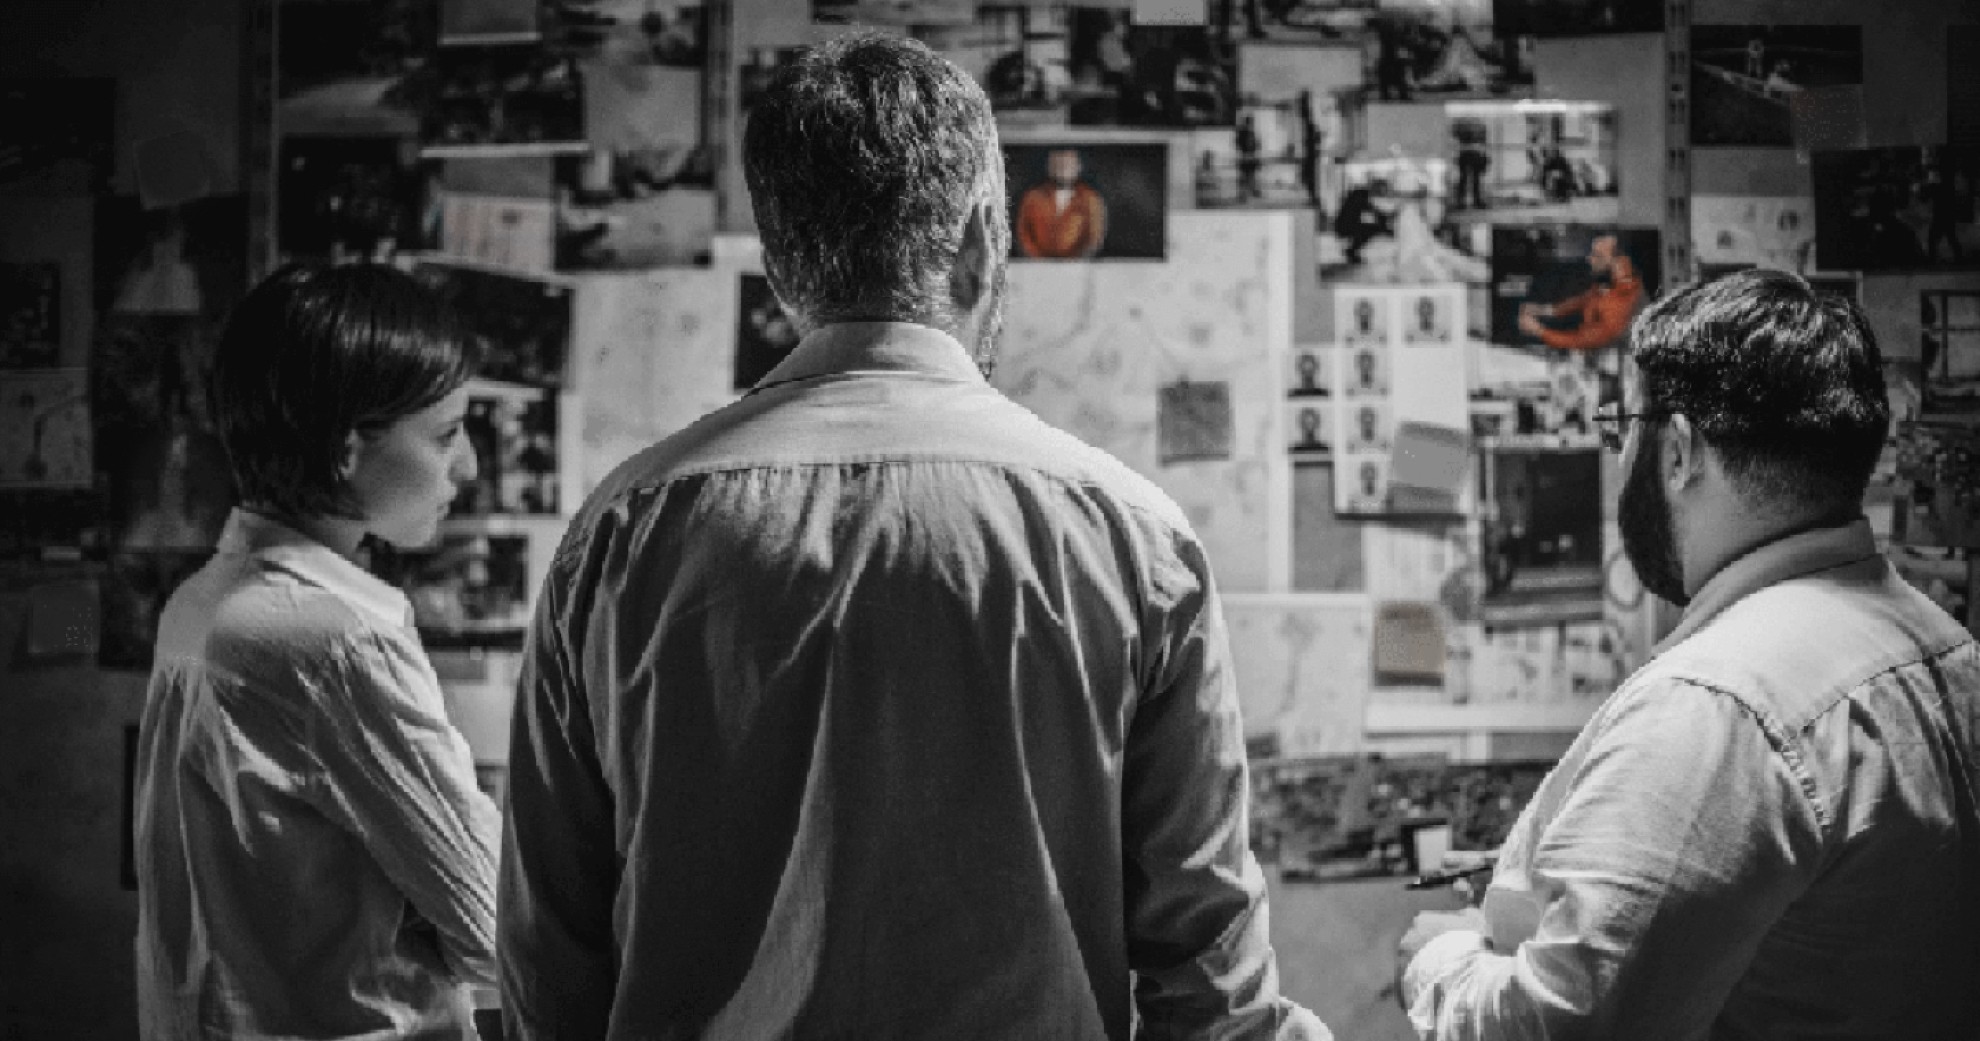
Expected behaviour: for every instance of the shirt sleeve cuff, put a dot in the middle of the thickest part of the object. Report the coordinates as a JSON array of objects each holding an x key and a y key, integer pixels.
[{"x": 1437, "y": 963}]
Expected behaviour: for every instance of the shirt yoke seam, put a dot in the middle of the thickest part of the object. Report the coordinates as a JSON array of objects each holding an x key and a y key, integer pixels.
[{"x": 1778, "y": 737}]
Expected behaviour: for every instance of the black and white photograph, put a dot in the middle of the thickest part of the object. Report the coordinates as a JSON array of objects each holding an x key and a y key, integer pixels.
[
  {"x": 56, "y": 135},
  {"x": 1897, "y": 209},
  {"x": 502, "y": 99},
  {"x": 523, "y": 323},
  {"x": 353, "y": 67},
  {"x": 1744, "y": 78},
  {"x": 765, "y": 334},
  {"x": 1429, "y": 318},
  {"x": 1193, "y": 422},
  {"x": 45, "y": 429},
  {"x": 1394, "y": 225},
  {"x": 627, "y": 210},
  {"x": 1308, "y": 433},
  {"x": 352, "y": 198},
  {"x": 1558, "y": 18},
  {"x": 1571, "y": 287},
  {"x": 1073, "y": 200},
  {"x": 134, "y": 587},
  {"x": 1367, "y": 482},
  {"x": 1017, "y": 52},
  {"x": 1270, "y": 159},
  {"x": 513, "y": 431},
  {"x": 1363, "y": 321},
  {"x": 1949, "y": 351},
  {"x": 1434, "y": 56},
  {"x": 30, "y": 315},
  {"x": 1310, "y": 377},
  {"x": 1538, "y": 395},
  {"x": 1125, "y": 74},
  {"x": 1938, "y": 470},
  {"x": 670, "y": 33},
  {"x": 1742, "y": 231},
  {"x": 1540, "y": 534},
  {"x": 1366, "y": 371},
  {"x": 1534, "y": 161},
  {"x": 1365, "y": 427},
  {"x": 469, "y": 590}
]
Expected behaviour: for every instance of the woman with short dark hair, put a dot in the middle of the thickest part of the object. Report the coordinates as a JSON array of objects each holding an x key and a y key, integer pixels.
[{"x": 314, "y": 859}]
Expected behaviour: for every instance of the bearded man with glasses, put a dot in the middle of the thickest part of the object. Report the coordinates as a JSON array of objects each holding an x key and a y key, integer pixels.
[{"x": 1770, "y": 829}]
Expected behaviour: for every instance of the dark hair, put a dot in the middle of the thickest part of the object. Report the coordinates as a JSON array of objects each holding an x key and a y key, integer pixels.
[
  {"x": 863, "y": 158},
  {"x": 315, "y": 353},
  {"x": 1784, "y": 382}
]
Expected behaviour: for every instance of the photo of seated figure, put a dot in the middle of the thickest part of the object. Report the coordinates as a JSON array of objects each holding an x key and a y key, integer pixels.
[{"x": 1309, "y": 435}]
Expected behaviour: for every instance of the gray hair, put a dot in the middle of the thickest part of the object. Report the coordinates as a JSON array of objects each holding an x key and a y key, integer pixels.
[{"x": 864, "y": 158}]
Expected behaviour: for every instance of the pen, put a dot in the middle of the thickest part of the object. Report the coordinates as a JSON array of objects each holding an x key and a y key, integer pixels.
[{"x": 1444, "y": 878}]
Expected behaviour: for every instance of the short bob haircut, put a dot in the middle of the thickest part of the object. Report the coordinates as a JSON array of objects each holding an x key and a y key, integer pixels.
[{"x": 314, "y": 354}]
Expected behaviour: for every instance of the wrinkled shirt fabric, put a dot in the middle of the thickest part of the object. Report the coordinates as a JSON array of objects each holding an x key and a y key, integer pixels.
[
  {"x": 871, "y": 706},
  {"x": 1769, "y": 831},
  {"x": 313, "y": 857}
]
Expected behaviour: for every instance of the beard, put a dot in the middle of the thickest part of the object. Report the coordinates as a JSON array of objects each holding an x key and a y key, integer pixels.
[
  {"x": 991, "y": 330},
  {"x": 1648, "y": 541}
]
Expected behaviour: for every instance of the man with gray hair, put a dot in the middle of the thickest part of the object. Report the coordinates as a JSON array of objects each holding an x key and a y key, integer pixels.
[{"x": 870, "y": 706}]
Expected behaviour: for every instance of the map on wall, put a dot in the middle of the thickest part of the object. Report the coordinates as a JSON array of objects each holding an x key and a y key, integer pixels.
[
  {"x": 1090, "y": 348},
  {"x": 1302, "y": 672},
  {"x": 654, "y": 353}
]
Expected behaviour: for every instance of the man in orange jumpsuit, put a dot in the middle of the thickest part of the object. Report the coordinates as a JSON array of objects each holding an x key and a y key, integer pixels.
[
  {"x": 1062, "y": 218},
  {"x": 1604, "y": 309}
]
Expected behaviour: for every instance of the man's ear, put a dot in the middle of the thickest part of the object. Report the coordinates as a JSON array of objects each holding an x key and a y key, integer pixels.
[
  {"x": 1684, "y": 453},
  {"x": 969, "y": 278}
]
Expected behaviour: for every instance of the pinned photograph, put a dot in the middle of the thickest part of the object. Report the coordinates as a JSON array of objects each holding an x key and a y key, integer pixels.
[
  {"x": 1310, "y": 378},
  {"x": 524, "y": 324},
  {"x": 1534, "y": 161},
  {"x": 1949, "y": 352},
  {"x": 1365, "y": 427},
  {"x": 1556, "y": 18},
  {"x": 45, "y": 435},
  {"x": 1394, "y": 224},
  {"x": 516, "y": 234},
  {"x": 351, "y": 198},
  {"x": 1362, "y": 320},
  {"x": 1367, "y": 371},
  {"x": 1744, "y": 78},
  {"x": 1537, "y": 395},
  {"x": 1148, "y": 75},
  {"x": 1436, "y": 54},
  {"x": 765, "y": 335},
  {"x": 1541, "y": 534},
  {"x": 1193, "y": 422},
  {"x": 1897, "y": 209},
  {"x": 504, "y": 99},
  {"x": 672, "y": 33},
  {"x": 469, "y": 590},
  {"x": 1270, "y": 159},
  {"x": 1087, "y": 200},
  {"x": 1571, "y": 287},
  {"x": 513, "y": 431},
  {"x": 353, "y": 67},
  {"x": 1017, "y": 53},
  {"x": 893, "y": 12},
  {"x": 1368, "y": 488},
  {"x": 1307, "y": 432},
  {"x": 1429, "y": 319},
  {"x": 30, "y": 315},
  {"x": 1775, "y": 232},
  {"x": 634, "y": 209},
  {"x": 1938, "y": 470}
]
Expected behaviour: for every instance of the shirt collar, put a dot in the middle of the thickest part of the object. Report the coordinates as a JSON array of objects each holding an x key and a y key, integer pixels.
[
  {"x": 253, "y": 534},
  {"x": 1783, "y": 560},
  {"x": 849, "y": 347}
]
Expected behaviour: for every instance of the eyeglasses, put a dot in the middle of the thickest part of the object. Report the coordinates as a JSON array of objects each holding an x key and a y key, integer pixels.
[{"x": 1609, "y": 420}]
